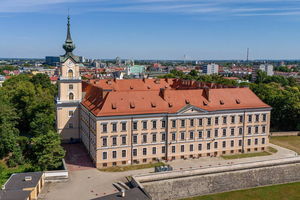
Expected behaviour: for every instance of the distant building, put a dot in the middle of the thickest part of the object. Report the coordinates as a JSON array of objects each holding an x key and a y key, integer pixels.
[
  {"x": 52, "y": 60},
  {"x": 210, "y": 69},
  {"x": 135, "y": 70},
  {"x": 267, "y": 68}
]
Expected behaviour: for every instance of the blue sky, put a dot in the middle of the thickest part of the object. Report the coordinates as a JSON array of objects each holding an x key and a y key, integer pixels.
[{"x": 152, "y": 29}]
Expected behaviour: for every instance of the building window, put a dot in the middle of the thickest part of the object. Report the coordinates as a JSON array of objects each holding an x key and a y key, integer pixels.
[
  {"x": 104, "y": 155},
  {"x": 263, "y": 129},
  {"x": 216, "y": 145},
  {"x": 225, "y": 120},
  {"x": 224, "y": 144},
  {"x": 264, "y": 117},
  {"x": 208, "y": 133},
  {"x": 144, "y": 125},
  {"x": 200, "y": 121},
  {"x": 216, "y": 132},
  {"x": 123, "y": 140},
  {"x": 191, "y": 147},
  {"x": 153, "y": 150},
  {"x": 240, "y": 143},
  {"x": 263, "y": 140},
  {"x": 200, "y": 134},
  {"x": 114, "y": 141},
  {"x": 256, "y": 129},
  {"x": 232, "y": 131},
  {"x": 71, "y": 96},
  {"x": 104, "y": 142},
  {"x": 123, "y": 153},
  {"x": 163, "y": 149},
  {"x": 70, "y": 73},
  {"x": 241, "y": 118},
  {"x": 224, "y": 132},
  {"x": 182, "y": 122},
  {"x": 163, "y": 137},
  {"x": 154, "y": 137},
  {"x": 249, "y": 118},
  {"x": 114, "y": 154},
  {"x": 134, "y": 139},
  {"x": 134, "y": 152},
  {"x": 182, "y": 135},
  {"x": 114, "y": 127},
  {"x": 257, "y": 117},
  {"x": 249, "y": 142},
  {"x": 71, "y": 113},
  {"x": 191, "y": 122},
  {"x": 144, "y": 151},
  {"x": 173, "y": 149},
  {"x": 232, "y": 143},
  {"x": 216, "y": 120},
  {"x": 144, "y": 138},
  {"x": 173, "y": 124},
  {"x": 191, "y": 135},
  {"x": 232, "y": 119},
  {"x": 163, "y": 124},
  {"x": 256, "y": 141},
  {"x": 249, "y": 130},
  {"x": 70, "y": 86},
  {"x": 134, "y": 127},
  {"x": 154, "y": 124},
  {"x": 123, "y": 126},
  {"x": 199, "y": 147},
  {"x": 240, "y": 131},
  {"x": 104, "y": 128},
  {"x": 209, "y": 121},
  {"x": 182, "y": 148},
  {"x": 70, "y": 125},
  {"x": 173, "y": 136},
  {"x": 208, "y": 146}
]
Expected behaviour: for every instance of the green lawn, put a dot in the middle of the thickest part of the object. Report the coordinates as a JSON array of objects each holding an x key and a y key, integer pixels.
[
  {"x": 131, "y": 167},
  {"x": 289, "y": 142},
  {"x": 5, "y": 172},
  {"x": 269, "y": 151},
  {"x": 289, "y": 191}
]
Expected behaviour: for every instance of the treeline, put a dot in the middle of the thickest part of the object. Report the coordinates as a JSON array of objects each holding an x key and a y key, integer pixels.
[
  {"x": 27, "y": 123},
  {"x": 281, "y": 93}
]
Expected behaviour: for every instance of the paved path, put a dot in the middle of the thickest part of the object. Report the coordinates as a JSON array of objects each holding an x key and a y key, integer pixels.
[{"x": 91, "y": 183}]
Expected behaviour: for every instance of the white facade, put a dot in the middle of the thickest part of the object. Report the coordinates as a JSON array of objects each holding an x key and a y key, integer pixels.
[
  {"x": 267, "y": 68},
  {"x": 211, "y": 69}
]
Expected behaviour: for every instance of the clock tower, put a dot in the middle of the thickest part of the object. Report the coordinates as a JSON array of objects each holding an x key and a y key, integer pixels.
[{"x": 69, "y": 92}]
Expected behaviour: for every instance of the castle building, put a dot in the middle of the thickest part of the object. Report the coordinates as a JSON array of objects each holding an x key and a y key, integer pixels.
[{"x": 133, "y": 121}]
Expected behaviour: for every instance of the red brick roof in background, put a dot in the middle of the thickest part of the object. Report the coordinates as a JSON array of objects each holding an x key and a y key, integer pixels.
[{"x": 146, "y": 96}]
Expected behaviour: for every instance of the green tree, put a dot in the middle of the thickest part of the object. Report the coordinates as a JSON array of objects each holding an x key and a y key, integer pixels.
[{"x": 47, "y": 151}]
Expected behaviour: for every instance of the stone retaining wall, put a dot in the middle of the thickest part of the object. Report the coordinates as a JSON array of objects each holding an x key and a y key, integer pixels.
[
  {"x": 287, "y": 133},
  {"x": 182, "y": 184}
]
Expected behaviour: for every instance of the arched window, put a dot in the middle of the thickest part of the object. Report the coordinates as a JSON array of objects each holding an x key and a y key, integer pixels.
[
  {"x": 71, "y": 96},
  {"x": 70, "y": 73}
]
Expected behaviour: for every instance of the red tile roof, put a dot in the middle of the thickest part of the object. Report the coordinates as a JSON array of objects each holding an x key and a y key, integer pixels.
[{"x": 146, "y": 96}]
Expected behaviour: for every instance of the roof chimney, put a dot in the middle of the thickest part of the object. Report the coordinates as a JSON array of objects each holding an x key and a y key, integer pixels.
[
  {"x": 123, "y": 193},
  {"x": 205, "y": 93}
]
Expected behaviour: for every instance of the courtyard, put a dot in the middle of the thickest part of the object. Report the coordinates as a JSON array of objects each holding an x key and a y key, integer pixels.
[{"x": 87, "y": 182}]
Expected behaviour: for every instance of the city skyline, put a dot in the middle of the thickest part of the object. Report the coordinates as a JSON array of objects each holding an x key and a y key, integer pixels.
[{"x": 152, "y": 29}]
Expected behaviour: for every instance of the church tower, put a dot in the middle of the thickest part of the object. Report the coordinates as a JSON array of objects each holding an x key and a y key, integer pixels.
[{"x": 69, "y": 92}]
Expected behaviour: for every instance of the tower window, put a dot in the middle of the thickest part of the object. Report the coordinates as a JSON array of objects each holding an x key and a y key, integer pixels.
[
  {"x": 71, "y": 96},
  {"x": 70, "y": 73},
  {"x": 71, "y": 87}
]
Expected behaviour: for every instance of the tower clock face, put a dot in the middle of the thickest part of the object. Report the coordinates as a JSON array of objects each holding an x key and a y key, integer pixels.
[{"x": 69, "y": 63}]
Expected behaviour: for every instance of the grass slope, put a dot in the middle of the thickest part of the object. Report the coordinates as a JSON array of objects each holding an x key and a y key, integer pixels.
[{"x": 289, "y": 142}]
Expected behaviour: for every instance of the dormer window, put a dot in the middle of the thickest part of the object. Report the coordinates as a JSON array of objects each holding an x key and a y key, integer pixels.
[
  {"x": 187, "y": 101},
  {"x": 237, "y": 101},
  {"x": 153, "y": 104},
  {"x": 132, "y": 105},
  {"x": 221, "y": 102},
  {"x": 205, "y": 103},
  {"x": 113, "y": 106}
]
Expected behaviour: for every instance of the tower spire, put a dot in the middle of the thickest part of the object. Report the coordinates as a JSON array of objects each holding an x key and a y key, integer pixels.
[{"x": 69, "y": 46}]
